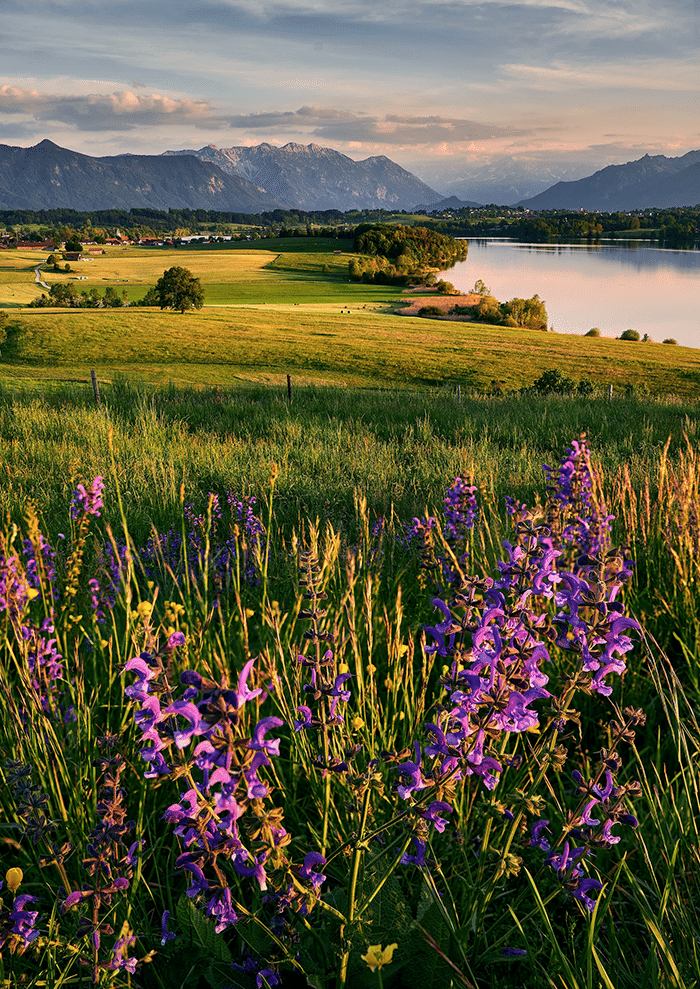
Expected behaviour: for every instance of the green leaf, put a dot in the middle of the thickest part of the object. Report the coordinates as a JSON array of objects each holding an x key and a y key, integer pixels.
[
  {"x": 316, "y": 981},
  {"x": 256, "y": 938},
  {"x": 225, "y": 977},
  {"x": 201, "y": 930}
]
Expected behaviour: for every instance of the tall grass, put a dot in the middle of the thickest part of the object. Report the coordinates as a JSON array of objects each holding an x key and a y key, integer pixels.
[{"x": 326, "y": 579}]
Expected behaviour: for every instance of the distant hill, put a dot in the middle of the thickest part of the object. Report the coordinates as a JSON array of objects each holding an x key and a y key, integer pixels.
[
  {"x": 452, "y": 202},
  {"x": 48, "y": 176},
  {"x": 310, "y": 177},
  {"x": 651, "y": 181}
]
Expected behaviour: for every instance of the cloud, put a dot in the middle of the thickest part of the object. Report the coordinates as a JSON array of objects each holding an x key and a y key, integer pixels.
[
  {"x": 126, "y": 110},
  {"x": 648, "y": 74},
  {"x": 330, "y": 124},
  {"x": 105, "y": 111}
]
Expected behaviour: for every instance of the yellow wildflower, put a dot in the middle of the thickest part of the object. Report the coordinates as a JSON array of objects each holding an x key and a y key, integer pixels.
[
  {"x": 14, "y": 878},
  {"x": 376, "y": 958}
]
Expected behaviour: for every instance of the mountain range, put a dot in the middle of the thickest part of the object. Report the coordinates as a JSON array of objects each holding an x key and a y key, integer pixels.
[
  {"x": 48, "y": 176},
  {"x": 651, "y": 181},
  {"x": 310, "y": 177},
  {"x": 239, "y": 180}
]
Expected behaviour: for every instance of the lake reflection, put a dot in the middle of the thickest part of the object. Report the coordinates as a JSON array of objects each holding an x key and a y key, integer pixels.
[{"x": 614, "y": 286}]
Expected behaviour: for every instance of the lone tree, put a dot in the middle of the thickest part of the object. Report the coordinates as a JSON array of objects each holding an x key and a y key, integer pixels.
[{"x": 179, "y": 289}]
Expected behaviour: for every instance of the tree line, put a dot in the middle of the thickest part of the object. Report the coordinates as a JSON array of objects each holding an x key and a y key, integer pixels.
[
  {"x": 402, "y": 255},
  {"x": 679, "y": 226}
]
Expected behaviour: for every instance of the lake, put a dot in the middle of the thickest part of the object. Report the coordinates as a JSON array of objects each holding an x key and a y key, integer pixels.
[{"x": 614, "y": 286}]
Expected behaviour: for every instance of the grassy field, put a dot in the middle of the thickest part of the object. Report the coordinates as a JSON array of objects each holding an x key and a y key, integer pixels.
[
  {"x": 354, "y": 342},
  {"x": 451, "y": 874},
  {"x": 286, "y": 307}
]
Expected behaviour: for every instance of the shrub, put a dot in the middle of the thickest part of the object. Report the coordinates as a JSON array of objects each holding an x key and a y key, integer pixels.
[
  {"x": 593, "y": 332},
  {"x": 445, "y": 288},
  {"x": 553, "y": 381},
  {"x": 430, "y": 311},
  {"x": 629, "y": 335},
  {"x": 670, "y": 340},
  {"x": 584, "y": 387}
]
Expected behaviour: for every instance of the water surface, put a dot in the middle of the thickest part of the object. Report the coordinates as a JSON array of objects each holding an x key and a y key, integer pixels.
[{"x": 614, "y": 286}]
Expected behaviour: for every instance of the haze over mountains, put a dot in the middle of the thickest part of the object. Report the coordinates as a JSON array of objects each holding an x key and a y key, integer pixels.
[{"x": 310, "y": 177}]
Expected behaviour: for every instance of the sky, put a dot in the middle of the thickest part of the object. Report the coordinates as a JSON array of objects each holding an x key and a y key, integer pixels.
[{"x": 439, "y": 86}]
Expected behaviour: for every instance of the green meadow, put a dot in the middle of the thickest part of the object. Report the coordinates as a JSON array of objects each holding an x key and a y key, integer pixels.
[{"x": 288, "y": 309}]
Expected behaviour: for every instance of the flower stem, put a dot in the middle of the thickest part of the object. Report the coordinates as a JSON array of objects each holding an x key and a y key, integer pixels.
[{"x": 352, "y": 892}]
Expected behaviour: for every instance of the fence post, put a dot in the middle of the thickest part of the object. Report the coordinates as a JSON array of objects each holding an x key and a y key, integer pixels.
[
  {"x": 289, "y": 387},
  {"x": 95, "y": 387},
  {"x": 459, "y": 394},
  {"x": 610, "y": 391}
]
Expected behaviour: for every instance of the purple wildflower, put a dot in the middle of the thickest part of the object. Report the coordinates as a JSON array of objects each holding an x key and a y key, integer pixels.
[{"x": 87, "y": 501}]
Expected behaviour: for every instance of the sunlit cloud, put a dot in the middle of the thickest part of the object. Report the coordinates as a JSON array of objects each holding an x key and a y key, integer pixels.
[{"x": 113, "y": 111}]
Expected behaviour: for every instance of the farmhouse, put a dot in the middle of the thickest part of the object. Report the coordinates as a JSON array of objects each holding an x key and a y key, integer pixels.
[{"x": 35, "y": 245}]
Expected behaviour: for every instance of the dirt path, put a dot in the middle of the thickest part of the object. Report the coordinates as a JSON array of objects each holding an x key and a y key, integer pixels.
[{"x": 37, "y": 279}]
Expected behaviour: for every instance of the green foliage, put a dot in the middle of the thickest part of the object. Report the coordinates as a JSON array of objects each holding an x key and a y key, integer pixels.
[
  {"x": 593, "y": 332},
  {"x": 629, "y": 335},
  {"x": 379, "y": 271},
  {"x": 67, "y": 296},
  {"x": 479, "y": 288},
  {"x": 179, "y": 289},
  {"x": 526, "y": 313},
  {"x": 554, "y": 382},
  {"x": 445, "y": 288},
  {"x": 73, "y": 246},
  {"x": 670, "y": 340},
  {"x": 415, "y": 244},
  {"x": 430, "y": 311},
  {"x": 151, "y": 298}
]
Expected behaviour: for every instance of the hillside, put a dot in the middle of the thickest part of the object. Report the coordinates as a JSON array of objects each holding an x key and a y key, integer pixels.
[
  {"x": 651, "y": 181},
  {"x": 48, "y": 176},
  {"x": 314, "y": 178}
]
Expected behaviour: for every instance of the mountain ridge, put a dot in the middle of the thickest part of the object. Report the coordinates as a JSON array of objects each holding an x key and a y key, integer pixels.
[
  {"x": 49, "y": 176},
  {"x": 652, "y": 181},
  {"x": 312, "y": 177}
]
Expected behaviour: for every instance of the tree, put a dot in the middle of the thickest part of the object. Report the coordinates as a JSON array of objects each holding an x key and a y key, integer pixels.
[
  {"x": 73, "y": 246},
  {"x": 629, "y": 335},
  {"x": 179, "y": 289},
  {"x": 480, "y": 288},
  {"x": 150, "y": 298}
]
